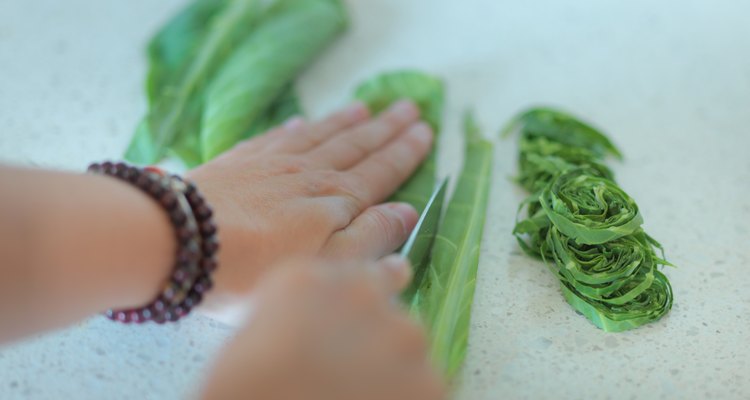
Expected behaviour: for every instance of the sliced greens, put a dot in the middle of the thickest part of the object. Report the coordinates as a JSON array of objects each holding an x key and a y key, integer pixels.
[
  {"x": 584, "y": 226},
  {"x": 222, "y": 70}
]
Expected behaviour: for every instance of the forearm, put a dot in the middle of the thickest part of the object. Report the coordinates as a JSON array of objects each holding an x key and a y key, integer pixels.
[{"x": 73, "y": 245}]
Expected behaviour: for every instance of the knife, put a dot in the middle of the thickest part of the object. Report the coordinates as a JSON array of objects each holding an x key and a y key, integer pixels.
[{"x": 418, "y": 245}]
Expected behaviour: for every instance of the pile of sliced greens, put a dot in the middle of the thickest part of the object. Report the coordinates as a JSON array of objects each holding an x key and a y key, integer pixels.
[
  {"x": 443, "y": 289},
  {"x": 584, "y": 226},
  {"x": 222, "y": 70}
]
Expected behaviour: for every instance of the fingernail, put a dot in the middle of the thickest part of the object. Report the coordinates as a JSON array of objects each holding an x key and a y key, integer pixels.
[
  {"x": 422, "y": 132},
  {"x": 396, "y": 262},
  {"x": 357, "y": 111},
  {"x": 294, "y": 123},
  {"x": 407, "y": 213},
  {"x": 406, "y": 109}
]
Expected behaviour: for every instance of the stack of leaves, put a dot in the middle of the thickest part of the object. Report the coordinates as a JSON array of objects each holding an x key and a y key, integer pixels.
[
  {"x": 222, "y": 70},
  {"x": 584, "y": 226},
  {"x": 443, "y": 288}
]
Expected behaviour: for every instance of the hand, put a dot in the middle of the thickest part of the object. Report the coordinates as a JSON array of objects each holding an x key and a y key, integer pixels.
[
  {"x": 328, "y": 332},
  {"x": 306, "y": 189}
]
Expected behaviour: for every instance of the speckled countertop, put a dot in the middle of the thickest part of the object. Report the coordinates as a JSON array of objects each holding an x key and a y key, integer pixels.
[{"x": 669, "y": 80}]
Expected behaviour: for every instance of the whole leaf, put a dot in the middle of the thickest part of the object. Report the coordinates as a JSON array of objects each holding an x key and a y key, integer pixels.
[
  {"x": 171, "y": 50},
  {"x": 176, "y": 110},
  {"x": 169, "y": 55},
  {"x": 447, "y": 292},
  {"x": 428, "y": 93},
  {"x": 284, "y": 107},
  {"x": 286, "y": 40}
]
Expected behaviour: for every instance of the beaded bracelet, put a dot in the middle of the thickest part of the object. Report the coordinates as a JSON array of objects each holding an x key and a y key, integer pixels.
[{"x": 195, "y": 233}]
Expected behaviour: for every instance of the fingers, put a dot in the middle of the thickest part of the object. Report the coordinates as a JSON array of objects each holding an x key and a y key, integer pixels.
[
  {"x": 306, "y": 136},
  {"x": 349, "y": 148},
  {"x": 378, "y": 231},
  {"x": 395, "y": 273},
  {"x": 385, "y": 170}
]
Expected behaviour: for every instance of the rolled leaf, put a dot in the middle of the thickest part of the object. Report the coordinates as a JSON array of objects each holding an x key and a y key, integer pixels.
[
  {"x": 447, "y": 292},
  {"x": 428, "y": 93}
]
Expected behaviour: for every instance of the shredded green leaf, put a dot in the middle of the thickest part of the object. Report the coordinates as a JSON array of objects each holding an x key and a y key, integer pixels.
[{"x": 584, "y": 226}]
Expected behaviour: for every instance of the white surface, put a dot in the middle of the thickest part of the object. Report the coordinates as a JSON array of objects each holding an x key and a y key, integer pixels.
[{"x": 669, "y": 80}]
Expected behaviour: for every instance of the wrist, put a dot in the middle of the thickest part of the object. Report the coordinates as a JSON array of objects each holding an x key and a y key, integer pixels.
[{"x": 193, "y": 232}]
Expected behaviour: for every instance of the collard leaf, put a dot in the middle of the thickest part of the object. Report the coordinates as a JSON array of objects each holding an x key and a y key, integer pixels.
[
  {"x": 428, "y": 93},
  {"x": 447, "y": 292},
  {"x": 286, "y": 40},
  {"x": 204, "y": 34},
  {"x": 171, "y": 50}
]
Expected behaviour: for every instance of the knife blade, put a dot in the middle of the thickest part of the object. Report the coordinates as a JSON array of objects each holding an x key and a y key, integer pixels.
[{"x": 419, "y": 243}]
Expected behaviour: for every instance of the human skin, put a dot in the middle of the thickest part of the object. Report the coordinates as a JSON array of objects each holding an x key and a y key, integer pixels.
[
  {"x": 328, "y": 331},
  {"x": 73, "y": 245}
]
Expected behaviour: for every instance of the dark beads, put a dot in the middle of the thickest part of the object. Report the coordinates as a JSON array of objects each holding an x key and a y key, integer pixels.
[
  {"x": 184, "y": 234},
  {"x": 178, "y": 216},
  {"x": 134, "y": 316},
  {"x": 107, "y": 167},
  {"x": 122, "y": 316},
  {"x": 210, "y": 247},
  {"x": 207, "y": 228},
  {"x": 195, "y": 199},
  {"x": 192, "y": 300},
  {"x": 208, "y": 264},
  {"x": 168, "y": 200},
  {"x": 142, "y": 181},
  {"x": 195, "y": 258},
  {"x": 203, "y": 212},
  {"x": 159, "y": 306},
  {"x": 203, "y": 284},
  {"x": 155, "y": 188},
  {"x": 145, "y": 314},
  {"x": 187, "y": 256}
]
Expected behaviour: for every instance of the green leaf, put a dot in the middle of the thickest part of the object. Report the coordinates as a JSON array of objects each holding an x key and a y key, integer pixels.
[
  {"x": 287, "y": 39},
  {"x": 428, "y": 93},
  {"x": 540, "y": 160},
  {"x": 171, "y": 50},
  {"x": 585, "y": 227},
  {"x": 284, "y": 107},
  {"x": 588, "y": 208},
  {"x": 200, "y": 39},
  {"x": 445, "y": 298},
  {"x": 649, "y": 306},
  {"x": 558, "y": 126}
]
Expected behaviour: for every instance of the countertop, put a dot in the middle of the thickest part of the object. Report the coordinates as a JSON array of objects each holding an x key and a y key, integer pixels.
[{"x": 668, "y": 80}]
